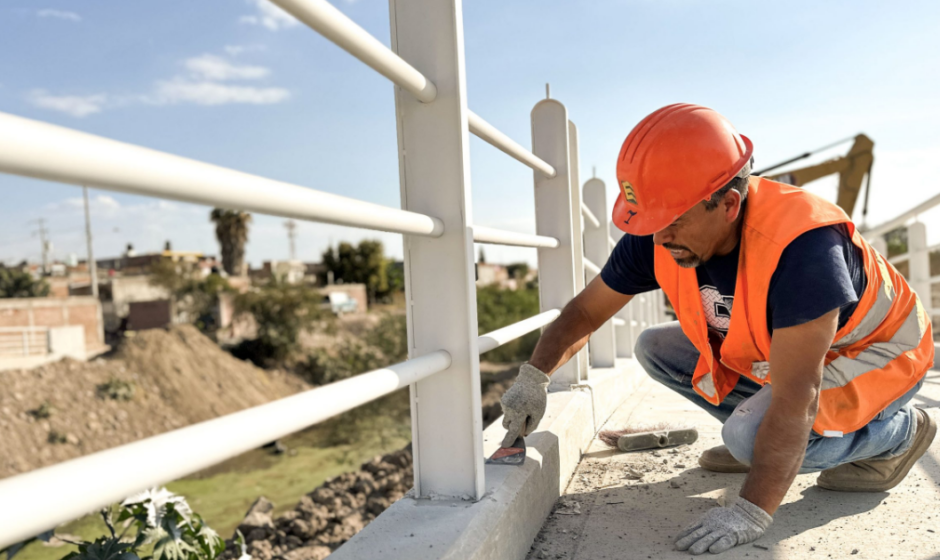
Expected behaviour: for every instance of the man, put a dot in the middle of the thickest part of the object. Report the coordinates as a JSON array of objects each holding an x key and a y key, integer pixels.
[{"x": 792, "y": 330}]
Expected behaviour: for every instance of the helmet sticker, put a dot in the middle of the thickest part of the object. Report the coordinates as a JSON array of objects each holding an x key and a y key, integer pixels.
[
  {"x": 632, "y": 213},
  {"x": 628, "y": 193}
]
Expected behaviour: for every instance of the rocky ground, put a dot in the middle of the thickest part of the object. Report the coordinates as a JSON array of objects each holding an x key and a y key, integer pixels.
[{"x": 327, "y": 517}]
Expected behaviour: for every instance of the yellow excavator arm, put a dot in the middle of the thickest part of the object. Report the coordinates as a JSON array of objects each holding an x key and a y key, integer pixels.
[{"x": 851, "y": 168}]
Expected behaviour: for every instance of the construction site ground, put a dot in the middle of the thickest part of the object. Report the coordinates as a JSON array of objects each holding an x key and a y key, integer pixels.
[{"x": 631, "y": 505}]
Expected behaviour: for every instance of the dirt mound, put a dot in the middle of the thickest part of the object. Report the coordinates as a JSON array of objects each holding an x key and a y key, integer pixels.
[
  {"x": 157, "y": 381},
  {"x": 329, "y": 516}
]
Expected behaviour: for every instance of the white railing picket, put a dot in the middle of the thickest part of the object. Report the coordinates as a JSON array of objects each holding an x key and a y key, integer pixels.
[
  {"x": 553, "y": 218},
  {"x": 602, "y": 348}
]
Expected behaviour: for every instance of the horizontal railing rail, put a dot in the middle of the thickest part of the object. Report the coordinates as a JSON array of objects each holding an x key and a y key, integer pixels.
[
  {"x": 323, "y": 18},
  {"x": 326, "y": 20},
  {"x": 591, "y": 267},
  {"x": 45, "y": 151},
  {"x": 50, "y": 496},
  {"x": 53, "y": 495},
  {"x": 590, "y": 216},
  {"x": 497, "y": 338},
  {"x": 482, "y": 234},
  {"x": 487, "y": 132},
  {"x": 901, "y": 219}
]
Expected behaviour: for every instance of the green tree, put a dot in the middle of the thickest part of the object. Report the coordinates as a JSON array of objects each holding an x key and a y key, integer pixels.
[
  {"x": 17, "y": 283},
  {"x": 518, "y": 270},
  {"x": 497, "y": 308},
  {"x": 231, "y": 229},
  {"x": 281, "y": 312},
  {"x": 362, "y": 264}
]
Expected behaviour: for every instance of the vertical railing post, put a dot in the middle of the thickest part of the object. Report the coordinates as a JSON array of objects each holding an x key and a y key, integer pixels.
[
  {"x": 434, "y": 171},
  {"x": 624, "y": 332},
  {"x": 919, "y": 259},
  {"x": 577, "y": 224},
  {"x": 597, "y": 250},
  {"x": 553, "y": 217},
  {"x": 26, "y": 342}
]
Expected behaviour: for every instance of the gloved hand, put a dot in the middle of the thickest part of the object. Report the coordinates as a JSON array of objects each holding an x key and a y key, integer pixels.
[
  {"x": 524, "y": 403},
  {"x": 722, "y": 528}
]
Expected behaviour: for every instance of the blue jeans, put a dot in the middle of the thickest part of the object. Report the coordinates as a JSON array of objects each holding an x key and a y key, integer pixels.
[{"x": 669, "y": 357}]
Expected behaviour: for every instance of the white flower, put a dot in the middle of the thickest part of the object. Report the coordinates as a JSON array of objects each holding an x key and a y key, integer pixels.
[{"x": 156, "y": 501}]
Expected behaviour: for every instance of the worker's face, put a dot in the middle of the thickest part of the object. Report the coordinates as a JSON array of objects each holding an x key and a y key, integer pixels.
[{"x": 699, "y": 234}]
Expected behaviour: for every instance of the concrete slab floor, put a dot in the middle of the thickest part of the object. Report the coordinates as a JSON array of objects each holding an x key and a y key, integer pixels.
[{"x": 631, "y": 505}]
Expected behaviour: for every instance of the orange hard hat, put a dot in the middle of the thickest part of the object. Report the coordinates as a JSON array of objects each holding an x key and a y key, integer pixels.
[{"x": 675, "y": 158}]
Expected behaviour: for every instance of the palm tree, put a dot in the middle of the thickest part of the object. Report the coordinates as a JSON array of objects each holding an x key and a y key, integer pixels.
[{"x": 231, "y": 229}]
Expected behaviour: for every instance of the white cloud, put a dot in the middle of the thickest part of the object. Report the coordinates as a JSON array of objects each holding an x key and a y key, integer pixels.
[
  {"x": 235, "y": 50},
  {"x": 212, "y": 93},
  {"x": 59, "y": 14},
  {"x": 74, "y": 105},
  {"x": 100, "y": 205},
  {"x": 269, "y": 16},
  {"x": 107, "y": 201},
  {"x": 212, "y": 67},
  {"x": 201, "y": 87}
]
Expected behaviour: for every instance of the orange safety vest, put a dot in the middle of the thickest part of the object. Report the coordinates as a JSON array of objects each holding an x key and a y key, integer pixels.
[{"x": 883, "y": 350}]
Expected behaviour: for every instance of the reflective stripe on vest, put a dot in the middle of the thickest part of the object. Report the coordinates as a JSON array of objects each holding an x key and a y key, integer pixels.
[{"x": 842, "y": 370}]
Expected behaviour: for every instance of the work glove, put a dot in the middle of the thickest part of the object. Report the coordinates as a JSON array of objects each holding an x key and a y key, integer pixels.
[
  {"x": 722, "y": 528},
  {"x": 524, "y": 403}
]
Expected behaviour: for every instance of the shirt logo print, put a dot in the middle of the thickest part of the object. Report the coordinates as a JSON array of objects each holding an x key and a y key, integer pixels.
[{"x": 717, "y": 309}]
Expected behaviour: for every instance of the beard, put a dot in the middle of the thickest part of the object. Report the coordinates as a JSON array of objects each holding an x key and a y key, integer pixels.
[{"x": 691, "y": 261}]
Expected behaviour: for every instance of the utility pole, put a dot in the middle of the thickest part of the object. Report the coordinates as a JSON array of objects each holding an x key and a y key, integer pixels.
[
  {"x": 42, "y": 231},
  {"x": 291, "y": 226},
  {"x": 92, "y": 266}
]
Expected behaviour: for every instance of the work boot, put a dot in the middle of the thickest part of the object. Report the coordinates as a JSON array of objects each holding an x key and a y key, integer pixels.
[
  {"x": 871, "y": 475},
  {"x": 719, "y": 459}
]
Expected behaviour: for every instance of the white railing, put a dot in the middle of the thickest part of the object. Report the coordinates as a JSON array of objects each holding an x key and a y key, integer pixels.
[
  {"x": 903, "y": 241},
  {"x": 426, "y": 63},
  {"x": 617, "y": 337},
  {"x": 18, "y": 342}
]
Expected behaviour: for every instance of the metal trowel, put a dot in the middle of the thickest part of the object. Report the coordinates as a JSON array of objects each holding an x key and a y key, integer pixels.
[{"x": 514, "y": 455}]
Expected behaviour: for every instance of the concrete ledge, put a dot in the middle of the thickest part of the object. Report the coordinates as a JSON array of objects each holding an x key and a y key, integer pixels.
[{"x": 518, "y": 498}]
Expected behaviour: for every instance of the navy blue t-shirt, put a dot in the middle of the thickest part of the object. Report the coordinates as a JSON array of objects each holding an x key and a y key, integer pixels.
[{"x": 819, "y": 271}]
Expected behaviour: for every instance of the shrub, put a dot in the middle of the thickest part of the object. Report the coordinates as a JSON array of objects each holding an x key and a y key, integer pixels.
[
  {"x": 281, "y": 312},
  {"x": 43, "y": 411},
  {"x": 56, "y": 438},
  {"x": 116, "y": 389},
  {"x": 497, "y": 308},
  {"x": 383, "y": 345}
]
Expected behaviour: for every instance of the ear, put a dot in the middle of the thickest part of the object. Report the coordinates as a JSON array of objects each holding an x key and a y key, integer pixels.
[{"x": 731, "y": 205}]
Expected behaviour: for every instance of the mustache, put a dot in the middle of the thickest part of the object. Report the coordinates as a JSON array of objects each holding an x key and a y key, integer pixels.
[{"x": 675, "y": 247}]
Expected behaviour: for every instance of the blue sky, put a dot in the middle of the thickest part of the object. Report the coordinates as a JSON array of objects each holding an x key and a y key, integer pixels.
[{"x": 235, "y": 83}]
